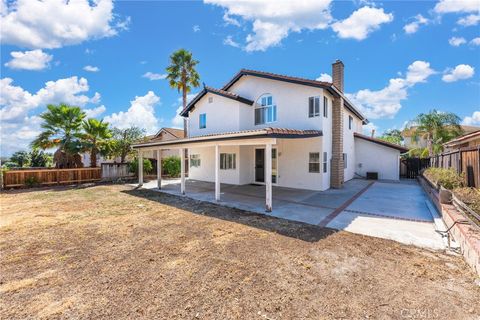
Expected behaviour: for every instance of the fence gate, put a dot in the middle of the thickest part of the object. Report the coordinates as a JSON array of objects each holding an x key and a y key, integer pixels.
[{"x": 410, "y": 167}]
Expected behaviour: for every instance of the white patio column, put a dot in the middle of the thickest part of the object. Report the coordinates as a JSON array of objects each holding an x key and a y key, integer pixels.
[
  {"x": 268, "y": 177},
  {"x": 140, "y": 168},
  {"x": 159, "y": 168},
  {"x": 217, "y": 173},
  {"x": 182, "y": 170}
]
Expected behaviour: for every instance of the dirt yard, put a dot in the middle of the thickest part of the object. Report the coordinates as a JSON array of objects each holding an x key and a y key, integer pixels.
[{"x": 112, "y": 252}]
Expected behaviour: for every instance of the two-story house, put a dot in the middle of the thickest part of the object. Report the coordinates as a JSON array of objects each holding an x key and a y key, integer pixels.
[{"x": 271, "y": 129}]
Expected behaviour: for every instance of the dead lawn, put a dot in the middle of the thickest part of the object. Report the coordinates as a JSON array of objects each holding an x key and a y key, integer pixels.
[{"x": 113, "y": 252}]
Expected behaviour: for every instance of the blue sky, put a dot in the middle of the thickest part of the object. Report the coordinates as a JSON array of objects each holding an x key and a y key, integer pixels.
[{"x": 401, "y": 58}]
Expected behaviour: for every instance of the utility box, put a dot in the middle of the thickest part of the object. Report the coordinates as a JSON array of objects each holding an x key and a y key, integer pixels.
[{"x": 372, "y": 175}]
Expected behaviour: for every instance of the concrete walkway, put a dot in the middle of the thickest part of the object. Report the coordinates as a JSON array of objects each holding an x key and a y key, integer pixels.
[{"x": 390, "y": 210}]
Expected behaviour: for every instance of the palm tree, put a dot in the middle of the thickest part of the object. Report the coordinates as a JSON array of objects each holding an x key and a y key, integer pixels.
[
  {"x": 182, "y": 75},
  {"x": 436, "y": 128},
  {"x": 95, "y": 138},
  {"x": 61, "y": 128}
]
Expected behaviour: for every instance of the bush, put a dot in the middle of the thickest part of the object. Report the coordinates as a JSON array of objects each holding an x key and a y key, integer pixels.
[
  {"x": 469, "y": 196},
  {"x": 171, "y": 165},
  {"x": 447, "y": 178},
  {"x": 147, "y": 166},
  {"x": 32, "y": 181}
]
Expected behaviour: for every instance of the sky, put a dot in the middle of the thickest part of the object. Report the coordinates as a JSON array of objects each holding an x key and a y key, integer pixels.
[{"x": 401, "y": 58}]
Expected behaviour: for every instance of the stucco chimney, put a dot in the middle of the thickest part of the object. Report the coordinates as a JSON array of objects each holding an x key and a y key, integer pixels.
[{"x": 337, "y": 74}]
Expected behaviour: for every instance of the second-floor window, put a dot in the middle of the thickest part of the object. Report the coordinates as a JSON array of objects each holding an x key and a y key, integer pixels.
[
  {"x": 313, "y": 107},
  {"x": 350, "y": 122},
  {"x": 265, "y": 110},
  {"x": 202, "y": 121},
  {"x": 325, "y": 107}
]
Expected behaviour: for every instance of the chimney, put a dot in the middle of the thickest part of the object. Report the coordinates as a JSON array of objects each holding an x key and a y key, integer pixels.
[{"x": 337, "y": 74}]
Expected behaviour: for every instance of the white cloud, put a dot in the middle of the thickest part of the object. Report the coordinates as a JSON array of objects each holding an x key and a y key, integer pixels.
[
  {"x": 230, "y": 42},
  {"x": 473, "y": 120},
  {"x": 15, "y": 102},
  {"x": 177, "y": 120},
  {"x": 91, "y": 69},
  {"x": 18, "y": 135},
  {"x": 413, "y": 26},
  {"x": 460, "y": 72},
  {"x": 29, "y": 60},
  {"x": 325, "y": 77},
  {"x": 362, "y": 22},
  {"x": 470, "y": 20},
  {"x": 449, "y": 6},
  {"x": 475, "y": 41},
  {"x": 141, "y": 113},
  {"x": 54, "y": 23},
  {"x": 196, "y": 28},
  {"x": 385, "y": 103},
  {"x": 95, "y": 112},
  {"x": 154, "y": 76},
  {"x": 456, "y": 41},
  {"x": 273, "y": 21},
  {"x": 367, "y": 129}
]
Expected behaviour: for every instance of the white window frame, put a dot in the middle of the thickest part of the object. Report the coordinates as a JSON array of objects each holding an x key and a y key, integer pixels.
[
  {"x": 228, "y": 161},
  {"x": 200, "y": 121},
  {"x": 350, "y": 122},
  {"x": 313, "y": 107},
  {"x": 266, "y": 110},
  {"x": 345, "y": 161},
  {"x": 325, "y": 107},
  {"x": 310, "y": 162},
  {"x": 325, "y": 162},
  {"x": 195, "y": 161}
]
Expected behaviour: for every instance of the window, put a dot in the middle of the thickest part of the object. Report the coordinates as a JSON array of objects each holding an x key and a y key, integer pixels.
[
  {"x": 202, "y": 121},
  {"x": 350, "y": 122},
  {"x": 325, "y": 107},
  {"x": 227, "y": 161},
  {"x": 210, "y": 99},
  {"x": 194, "y": 160},
  {"x": 313, "y": 107},
  {"x": 344, "y": 161},
  {"x": 314, "y": 162},
  {"x": 265, "y": 110},
  {"x": 325, "y": 162},
  {"x": 274, "y": 166}
]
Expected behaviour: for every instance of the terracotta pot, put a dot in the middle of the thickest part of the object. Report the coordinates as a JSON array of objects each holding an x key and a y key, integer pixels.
[{"x": 445, "y": 196}]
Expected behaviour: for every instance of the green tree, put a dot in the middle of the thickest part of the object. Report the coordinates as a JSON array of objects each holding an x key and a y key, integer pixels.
[
  {"x": 182, "y": 75},
  {"x": 436, "y": 128},
  {"x": 61, "y": 126},
  {"x": 147, "y": 166},
  {"x": 38, "y": 158},
  {"x": 172, "y": 166},
  {"x": 21, "y": 158},
  {"x": 122, "y": 141},
  {"x": 392, "y": 136},
  {"x": 96, "y": 139}
]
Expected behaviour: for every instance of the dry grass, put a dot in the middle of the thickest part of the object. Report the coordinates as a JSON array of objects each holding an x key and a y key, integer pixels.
[{"x": 112, "y": 252}]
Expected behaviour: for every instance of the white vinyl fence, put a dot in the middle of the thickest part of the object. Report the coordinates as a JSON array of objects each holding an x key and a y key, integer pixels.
[{"x": 112, "y": 171}]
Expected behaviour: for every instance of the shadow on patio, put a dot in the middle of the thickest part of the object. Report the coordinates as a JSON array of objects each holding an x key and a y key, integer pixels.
[{"x": 289, "y": 228}]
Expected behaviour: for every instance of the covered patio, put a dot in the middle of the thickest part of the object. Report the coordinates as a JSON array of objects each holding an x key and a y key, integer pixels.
[{"x": 266, "y": 137}]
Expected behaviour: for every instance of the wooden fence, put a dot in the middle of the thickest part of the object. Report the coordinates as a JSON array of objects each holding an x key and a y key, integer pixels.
[
  {"x": 41, "y": 177},
  {"x": 464, "y": 160},
  {"x": 112, "y": 171}
]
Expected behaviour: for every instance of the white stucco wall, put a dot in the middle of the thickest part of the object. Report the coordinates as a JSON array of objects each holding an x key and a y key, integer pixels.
[
  {"x": 373, "y": 157},
  {"x": 206, "y": 171},
  {"x": 348, "y": 142},
  {"x": 223, "y": 115},
  {"x": 291, "y": 101}
]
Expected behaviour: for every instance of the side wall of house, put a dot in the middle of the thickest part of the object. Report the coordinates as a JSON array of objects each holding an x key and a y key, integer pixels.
[
  {"x": 373, "y": 157},
  {"x": 349, "y": 142}
]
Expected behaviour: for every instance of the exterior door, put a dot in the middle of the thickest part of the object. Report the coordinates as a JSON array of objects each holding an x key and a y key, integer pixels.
[{"x": 259, "y": 165}]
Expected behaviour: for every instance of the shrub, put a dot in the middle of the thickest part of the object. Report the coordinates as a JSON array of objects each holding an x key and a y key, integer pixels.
[
  {"x": 447, "y": 178},
  {"x": 469, "y": 196},
  {"x": 31, "y": 181},
  {"x": 147, "y": 166},
  {"x": 171, "y": 166}
]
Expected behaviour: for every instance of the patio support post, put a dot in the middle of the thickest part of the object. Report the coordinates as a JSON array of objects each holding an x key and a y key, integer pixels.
[
  {"x": 159, "y": 168},
  {"x": 217, "y": 173},
  {"x": 140, "y": 168},
  {"x": 268, "y": 178},
  {"x": 182, "y": 170}
]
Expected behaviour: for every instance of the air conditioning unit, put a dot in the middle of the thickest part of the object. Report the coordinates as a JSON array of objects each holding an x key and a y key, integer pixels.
[{"x": 372, "y": 175}]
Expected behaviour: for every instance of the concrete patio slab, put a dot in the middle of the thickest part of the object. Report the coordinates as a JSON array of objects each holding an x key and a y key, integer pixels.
[{"x": 396, "y": 211}]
